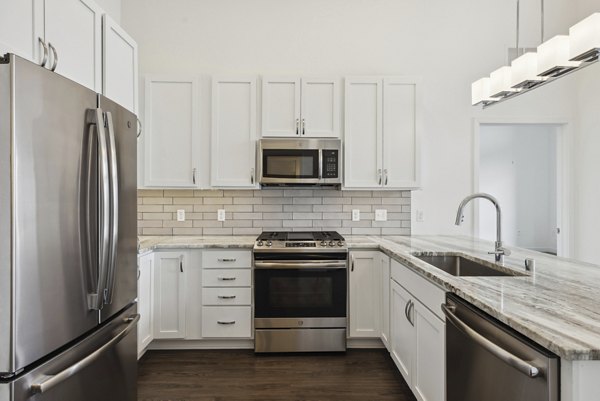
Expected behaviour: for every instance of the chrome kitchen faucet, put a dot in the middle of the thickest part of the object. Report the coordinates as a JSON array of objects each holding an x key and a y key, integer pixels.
[{"x": 499, "y": 251}]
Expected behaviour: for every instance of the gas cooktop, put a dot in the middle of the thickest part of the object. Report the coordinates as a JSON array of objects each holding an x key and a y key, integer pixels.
[{"x": 311, "y": 240}]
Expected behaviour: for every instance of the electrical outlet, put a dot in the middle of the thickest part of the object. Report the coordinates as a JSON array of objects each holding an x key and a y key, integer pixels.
[
  {"x": 355, "y": 214},
  {"x": 221, "y": 214},
  {"x": 420, "y": 216},
  {"x": 180, "y": 215},
  {"x": 380, "y": 214}
]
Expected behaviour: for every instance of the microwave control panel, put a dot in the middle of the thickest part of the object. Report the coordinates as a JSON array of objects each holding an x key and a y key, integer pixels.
[{"x": 330, "y": 163}]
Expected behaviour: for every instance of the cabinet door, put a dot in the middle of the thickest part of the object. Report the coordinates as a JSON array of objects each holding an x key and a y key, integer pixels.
[
  {"x": 21, "y": 28},
  {"x": 401, "y": 128},
  {"x": 402, "y": 331},
  {"x": 363, "y": 133},
  {"x": 384, "y": 261},
  {"x": 74, "y": 29},
  {"x": 171, "y": 131},
  {"x": 430, "y": 362},
  {"x": 280, "y": 106},
  {"x": 233, "y": 139},
  {"x": 365, "y": 301},
  {"x": 120, "y": 65},
  {"x": 145, "y": 281},
  {"x": 169, "y": 294},
  {"x": 320, "y": 107}
]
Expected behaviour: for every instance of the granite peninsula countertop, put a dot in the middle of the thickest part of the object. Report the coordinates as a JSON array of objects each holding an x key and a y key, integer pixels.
[{"x": 557, "y": 306}]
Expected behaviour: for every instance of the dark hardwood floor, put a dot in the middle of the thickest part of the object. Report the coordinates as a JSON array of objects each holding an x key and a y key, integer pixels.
[{"x": 235, "y": 375}]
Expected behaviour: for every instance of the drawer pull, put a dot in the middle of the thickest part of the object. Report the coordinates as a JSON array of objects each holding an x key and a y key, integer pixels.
[
  {"x": 227, "y": 278},
  {"x": 227, "y": 259},
  {"x": 226, "y": 296},
  {"x": 227, "y": 322}
]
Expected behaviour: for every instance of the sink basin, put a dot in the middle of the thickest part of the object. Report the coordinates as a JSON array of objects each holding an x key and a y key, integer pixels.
[{"x": 460, "y": 266}]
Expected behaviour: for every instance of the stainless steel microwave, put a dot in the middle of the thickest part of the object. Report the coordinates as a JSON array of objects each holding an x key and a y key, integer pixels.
[{"x": 300, "y": 161}]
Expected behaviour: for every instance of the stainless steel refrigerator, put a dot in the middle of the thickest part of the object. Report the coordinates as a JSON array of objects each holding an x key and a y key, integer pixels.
[{"x": 68, "y": 241}]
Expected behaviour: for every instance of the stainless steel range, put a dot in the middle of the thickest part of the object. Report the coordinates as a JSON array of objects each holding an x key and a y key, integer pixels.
[{"x": 300, "y": 290}]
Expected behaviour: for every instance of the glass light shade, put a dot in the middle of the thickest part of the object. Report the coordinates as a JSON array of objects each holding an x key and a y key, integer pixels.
[
  {"x": 480, "y": 91},
  {"x": 554, "y": 56},
  {"x": 524, "y": 71},
  {"x": 501, "y": 82},
  {"x": 585, "y": 38}
]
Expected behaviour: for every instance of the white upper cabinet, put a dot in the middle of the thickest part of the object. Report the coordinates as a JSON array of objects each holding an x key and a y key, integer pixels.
[
  {"x": 401, "y": 127},
  {"x": 281, "y": 106},
  {"x": 382, "y": 129},
  {"x": 171, "y": 131},
  {"x": 363, "y": 133},
  {"x": 73, "y": 33},
  {"x": 22, "y": 28},
  {"x": 233, "y": 136},
  {"x": 120, "y": 65},
  {"x": 301, "y": 107}
]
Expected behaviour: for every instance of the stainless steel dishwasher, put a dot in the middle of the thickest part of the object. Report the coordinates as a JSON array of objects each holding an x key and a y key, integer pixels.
[{"x": 488, "y": 361}]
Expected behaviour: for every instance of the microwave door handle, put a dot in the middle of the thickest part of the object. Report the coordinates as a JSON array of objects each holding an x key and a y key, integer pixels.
[{"x": 320, "y": 164}]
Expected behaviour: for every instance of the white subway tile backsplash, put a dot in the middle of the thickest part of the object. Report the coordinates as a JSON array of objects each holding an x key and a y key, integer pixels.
[{"x": 248, "y": 212}]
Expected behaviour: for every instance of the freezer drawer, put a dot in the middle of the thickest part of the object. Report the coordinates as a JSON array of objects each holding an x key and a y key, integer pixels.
[
  {"x": 101, "y": 367},
  {"x": 486, "y": 360}
]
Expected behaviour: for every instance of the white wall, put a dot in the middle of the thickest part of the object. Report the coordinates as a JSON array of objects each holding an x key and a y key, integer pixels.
[
  {"x": 449, "y": 44},
  {"x": 518, "y": 166},
  {"x": 112, "y": 8}
]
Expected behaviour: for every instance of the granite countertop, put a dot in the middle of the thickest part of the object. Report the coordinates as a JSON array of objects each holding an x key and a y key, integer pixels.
[{"x": 557, "y": 306}]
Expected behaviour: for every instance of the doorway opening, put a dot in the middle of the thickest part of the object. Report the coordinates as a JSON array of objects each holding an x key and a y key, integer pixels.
[{"x": 520, "y": 164}]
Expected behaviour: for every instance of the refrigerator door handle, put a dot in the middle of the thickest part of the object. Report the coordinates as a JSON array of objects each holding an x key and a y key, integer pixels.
[
  {"x": 114, "y": 209},
  {"x": 49, "y": 382},
  {"x": 96, "y": 118}
]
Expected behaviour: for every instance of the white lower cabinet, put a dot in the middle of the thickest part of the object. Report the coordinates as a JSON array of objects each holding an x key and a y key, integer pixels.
[
  {"x": 226, "y": 321},
  {"x": 384, "y": 262},
  {"x": 364, "y": 294},
  {"x": 169, "y": 294},
  {"x": 145, "y": 291},
  {"x": 417, "y": 334}
]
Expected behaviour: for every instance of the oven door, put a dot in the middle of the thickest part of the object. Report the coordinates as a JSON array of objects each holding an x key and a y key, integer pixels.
[
  {"x": 312, "y": 292},
  {"x": 285, "y": 166}
]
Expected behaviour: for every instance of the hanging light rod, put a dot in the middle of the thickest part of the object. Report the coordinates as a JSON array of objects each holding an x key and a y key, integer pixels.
[{"x": 555, "y": 58}]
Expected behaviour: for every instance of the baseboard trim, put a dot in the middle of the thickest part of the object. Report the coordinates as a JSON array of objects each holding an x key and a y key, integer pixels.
[{"x": 365, "y": 343}]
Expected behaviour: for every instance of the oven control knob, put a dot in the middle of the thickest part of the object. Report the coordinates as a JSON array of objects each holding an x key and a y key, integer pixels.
[
  {"x": 340, "y": 243},
  {"x": 331, "y": 243},
  {"x": 269, "y": 243},
  {"x": 323, "y": 243},
  {"x": 260, "y": 243}
]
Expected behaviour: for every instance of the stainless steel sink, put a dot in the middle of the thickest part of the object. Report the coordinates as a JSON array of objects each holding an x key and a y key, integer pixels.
[{"x": 460, "y": 266}]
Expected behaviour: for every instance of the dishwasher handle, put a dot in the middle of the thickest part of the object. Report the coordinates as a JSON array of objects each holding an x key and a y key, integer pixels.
[{"x": 499, "y": 352}]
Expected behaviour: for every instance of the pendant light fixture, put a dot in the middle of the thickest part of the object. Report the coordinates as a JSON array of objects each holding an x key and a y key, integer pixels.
[{"x": 559, "y": 56}]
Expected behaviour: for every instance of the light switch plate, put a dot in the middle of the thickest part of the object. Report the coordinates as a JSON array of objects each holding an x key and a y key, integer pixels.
[
  {"x": 355, "y": 214},
  {"x": 420, "y": 216},
  {"x": 380, "y": 214},
  {"x": 180, "y": 215},
  {"x": 221, "y": 214}
]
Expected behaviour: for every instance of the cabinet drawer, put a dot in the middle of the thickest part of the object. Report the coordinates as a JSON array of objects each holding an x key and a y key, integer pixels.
[
  {"x": 226, "y": 259},
  {"x": 226, "y": 277},
  {"x": 227, "y": 321},
  {"x": 426, "y": 292},
  {"x": 226, "y": 296}
]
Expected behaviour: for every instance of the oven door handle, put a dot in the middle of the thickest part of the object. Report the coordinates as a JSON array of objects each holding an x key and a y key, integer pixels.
[{"x": 305, "y": 264}]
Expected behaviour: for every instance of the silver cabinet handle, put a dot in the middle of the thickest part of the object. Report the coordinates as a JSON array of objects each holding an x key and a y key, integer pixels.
[
  {"x": 226, "y": 296},
  {"x": 385, "y": 174},
  {"x": 352, "y": 263},
  {"x": 181, "y": 263},
  {"x": 139, "y": 123},
  {"x": 95, "y": 118},
  {"x": 379, "y": 176},
  {"x": 194, "y": 176},
  {"x": 227, "y": 259},
  {"x": 226, "y": 322},
  {"x": 227, "y": 278},
  {"x": 139, "y": 274},
  {"x": 411, "y": 309},
  {"x": 499, "y": 352},
  {"x": 252, "y": 176},
  {"x": 52, "y": 381},
  {"x": 45, "y": 56},
  {"x": 406, "y": 310},
  {"x": 303, "y": 126},
  {"x": 54, "y": 57},
  {"x": 114, "y": 208},
  {"x": 297, "y": 126}
]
